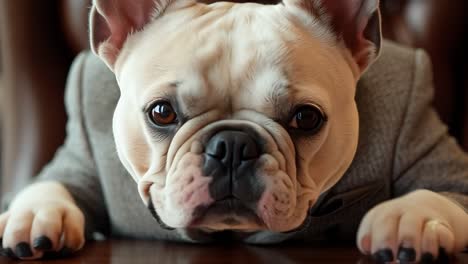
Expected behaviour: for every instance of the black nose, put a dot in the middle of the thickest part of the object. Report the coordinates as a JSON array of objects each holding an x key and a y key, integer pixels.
[
  {"x": 232, "y": 147},
  {"x": 230, "y": 158}
]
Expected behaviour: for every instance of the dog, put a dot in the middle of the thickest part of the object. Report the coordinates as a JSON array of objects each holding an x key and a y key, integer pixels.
[{"x": 236, "y": 117}]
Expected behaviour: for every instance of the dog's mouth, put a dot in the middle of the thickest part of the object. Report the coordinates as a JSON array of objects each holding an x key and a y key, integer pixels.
[
  {"x": 229, "y": 211},
  {"x": 156, "y": 216}
]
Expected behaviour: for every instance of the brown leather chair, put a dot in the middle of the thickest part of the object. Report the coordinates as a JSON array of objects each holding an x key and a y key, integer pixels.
[
  {"x": 441, "y": 28},
  {"x": 40, "y": 39}
]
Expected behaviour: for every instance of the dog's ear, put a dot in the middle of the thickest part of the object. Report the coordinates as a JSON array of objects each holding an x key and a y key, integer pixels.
[
  {"x": 111, "y": 21},
  {"x": 355, "y": 22}
]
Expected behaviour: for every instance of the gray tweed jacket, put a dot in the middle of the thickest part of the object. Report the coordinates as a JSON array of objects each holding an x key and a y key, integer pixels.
[{"x": 403, "y": 146}]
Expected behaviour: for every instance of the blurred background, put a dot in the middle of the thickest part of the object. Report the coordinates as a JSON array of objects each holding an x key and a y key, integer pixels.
[{"x": 39, "y": 40}]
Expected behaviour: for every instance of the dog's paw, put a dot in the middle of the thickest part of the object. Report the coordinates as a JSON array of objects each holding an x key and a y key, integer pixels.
[
  {"x": 420, "y": 226},
  {"x": 32, "y": 229}
]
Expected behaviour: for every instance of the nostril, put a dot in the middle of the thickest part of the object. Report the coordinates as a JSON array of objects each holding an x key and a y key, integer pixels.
[
  {"x": 249, "y": 150},
  {"x": 232, "y": 147},
  {"x": 221, "y": 149},
  {"x": 217, "y": 149}
]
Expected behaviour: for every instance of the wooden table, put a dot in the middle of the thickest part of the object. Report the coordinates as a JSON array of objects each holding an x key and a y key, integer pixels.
[{"x": 135, "y": 252}]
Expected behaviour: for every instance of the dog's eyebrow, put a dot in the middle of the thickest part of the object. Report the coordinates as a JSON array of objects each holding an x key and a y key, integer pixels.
[
  {"x": 280, "y": 97},
  {"x": 168, "y": 93}
]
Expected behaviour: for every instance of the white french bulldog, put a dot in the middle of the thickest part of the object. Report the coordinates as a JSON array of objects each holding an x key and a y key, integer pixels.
[{"x": 235, "y": 116}]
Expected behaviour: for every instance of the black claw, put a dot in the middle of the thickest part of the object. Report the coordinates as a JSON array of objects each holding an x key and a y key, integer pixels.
[
  {"x": 10, "y": 253},
  {"x": 42, "y": 243},
  {"x": 23, "y": 250},
  {"x": 7, "y": 252},
  {"x": 443, "y": 256},
  {"x": 383, "y": 255},
  {"x": 427, "y": 258},
  {"x": 406, "y": 254}
]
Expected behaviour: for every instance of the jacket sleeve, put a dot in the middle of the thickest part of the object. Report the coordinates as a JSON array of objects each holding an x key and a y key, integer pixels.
[
  {"x": 426, "y": 156},
  {"x": 73, "y": 164}
]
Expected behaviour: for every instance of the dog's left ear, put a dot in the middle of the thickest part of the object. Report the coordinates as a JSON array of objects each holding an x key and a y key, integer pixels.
[
  {"x": 111, "y": 21},
  {"x": 355, "y": 22}
]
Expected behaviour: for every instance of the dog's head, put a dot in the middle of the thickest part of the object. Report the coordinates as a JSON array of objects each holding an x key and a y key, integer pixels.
[{"x": 235, "y": 116}]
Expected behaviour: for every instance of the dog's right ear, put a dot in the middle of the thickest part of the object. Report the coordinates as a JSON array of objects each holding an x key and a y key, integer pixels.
[
  {"x": 111, "y": 21},
  {"x": 354, "y": 22}
]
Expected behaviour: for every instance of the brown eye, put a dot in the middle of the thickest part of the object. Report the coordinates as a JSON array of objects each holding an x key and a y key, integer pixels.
[
  {"x": 308, "y": 118},
  {"x": 162, "y": 114}
]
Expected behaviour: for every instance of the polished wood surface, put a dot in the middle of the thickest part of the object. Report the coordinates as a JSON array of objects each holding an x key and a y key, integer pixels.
[{"x": 135, "y": 252}]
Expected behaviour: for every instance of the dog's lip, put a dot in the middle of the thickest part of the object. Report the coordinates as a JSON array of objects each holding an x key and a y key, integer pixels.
[{"x": 233, "y": 205}]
